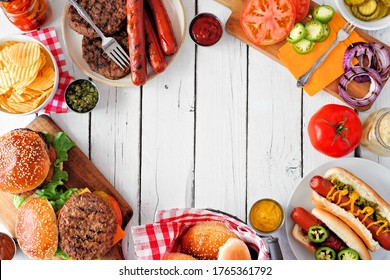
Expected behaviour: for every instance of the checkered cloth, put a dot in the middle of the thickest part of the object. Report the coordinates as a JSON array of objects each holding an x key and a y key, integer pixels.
[
  {"x": 48, "y": 37},
  {"x": 152, "y": 241}
]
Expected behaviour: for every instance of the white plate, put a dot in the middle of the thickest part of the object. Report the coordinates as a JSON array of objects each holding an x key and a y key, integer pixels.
[
  {"x": 376, "y": 24},
  {"x": 50, "y": 61},
  {"x": 374, "y": 174},
  {"x": 73, "y": 40}
]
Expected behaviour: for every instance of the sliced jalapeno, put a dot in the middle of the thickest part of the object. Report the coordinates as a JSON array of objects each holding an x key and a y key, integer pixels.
[
  {"x": 297, "y": 33},
  {"x": 326, "y": 34},
  {"x": 303, "y": 46},
  {"x": 325, "y": 253},
  {"x": 317, "y": 234},
  {"x": 347, "y": 254},
  {"x": 323, "y": 13},
  {"x": 314, "y": 30}
]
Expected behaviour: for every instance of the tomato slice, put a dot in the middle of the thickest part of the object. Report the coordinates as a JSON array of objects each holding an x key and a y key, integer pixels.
[
  {"x": 302, "y": 8},
  {"x": 267, "y": 22}
]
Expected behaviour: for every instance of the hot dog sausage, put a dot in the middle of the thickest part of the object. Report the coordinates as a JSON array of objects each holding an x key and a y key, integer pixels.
[
  {"x": 136, "y": 33},
  {"x": 164, "y": 26},
  {"x": 305, "y": 220},
  {"x": 323, "y": 187},
  {"x": 153, "y": 48}
]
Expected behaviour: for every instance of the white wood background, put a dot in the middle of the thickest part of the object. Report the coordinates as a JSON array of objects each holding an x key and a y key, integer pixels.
[{"x": 223, "y": 127}]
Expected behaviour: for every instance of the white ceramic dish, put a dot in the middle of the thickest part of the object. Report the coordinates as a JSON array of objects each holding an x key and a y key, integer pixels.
[
  {"x": 50, "y": 61},
  {"x": 366, "y": 25},
  {"x": 73, "y": 40},
  {"x": 374, "y": 174}
]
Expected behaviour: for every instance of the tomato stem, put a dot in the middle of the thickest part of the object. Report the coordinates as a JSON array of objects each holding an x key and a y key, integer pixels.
[{"x": 340, "y": 129}]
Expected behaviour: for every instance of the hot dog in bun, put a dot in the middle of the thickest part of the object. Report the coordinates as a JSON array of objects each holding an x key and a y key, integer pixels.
[
  {"x": 326, "y": 236},
  {"x": 356, "y": 203}
]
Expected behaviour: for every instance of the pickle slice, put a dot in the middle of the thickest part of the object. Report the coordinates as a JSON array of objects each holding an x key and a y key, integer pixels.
[
  {"x": 368, "y": 8},
  {"x": 354, "y": 2},
  {"x": 384, "y": 10},
  {"x": 386, "y": 3},
  {"x": 355, "y": 12}
]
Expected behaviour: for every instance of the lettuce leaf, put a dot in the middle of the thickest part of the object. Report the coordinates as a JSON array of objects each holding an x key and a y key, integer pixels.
[
  {"x": 18, "y": 200},
  {"x": 60, "y": 253},
  {"x": 57, "y": 196}
]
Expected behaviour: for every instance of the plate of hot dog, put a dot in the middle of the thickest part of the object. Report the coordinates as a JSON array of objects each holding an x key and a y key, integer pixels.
[
  {"x": 340, "y": 210},
  {"x": 163, "y": 24}
]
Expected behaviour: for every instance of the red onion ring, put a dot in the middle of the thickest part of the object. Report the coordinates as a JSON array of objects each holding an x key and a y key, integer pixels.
[
  {"x": 352, "y": 74},
  {"x": 383, "y": 60},
  {"x": 359, "y": 50}
]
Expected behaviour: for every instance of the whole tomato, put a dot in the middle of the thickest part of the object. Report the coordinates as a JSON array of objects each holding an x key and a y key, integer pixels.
[{"x": 335, "y": 130}]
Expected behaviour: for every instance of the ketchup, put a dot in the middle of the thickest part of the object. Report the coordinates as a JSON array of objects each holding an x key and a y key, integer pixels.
[
  {"x": 27, "y": 15},
  {"x": 7, "y": 247},
  {"x": 205, "y": 29}
]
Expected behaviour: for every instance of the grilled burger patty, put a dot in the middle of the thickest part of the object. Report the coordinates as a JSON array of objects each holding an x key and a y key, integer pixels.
[
  {"x": 99, "y": 62},
  {"x": 109, "y": 16},
  {"x": 87, "y": 226}
]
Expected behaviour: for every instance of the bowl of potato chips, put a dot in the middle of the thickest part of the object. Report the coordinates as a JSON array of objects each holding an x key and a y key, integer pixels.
[{"x": 28, "y": 75}]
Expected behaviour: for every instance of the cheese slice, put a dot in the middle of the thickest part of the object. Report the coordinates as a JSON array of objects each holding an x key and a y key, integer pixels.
[{"x": 332, "y": 67}]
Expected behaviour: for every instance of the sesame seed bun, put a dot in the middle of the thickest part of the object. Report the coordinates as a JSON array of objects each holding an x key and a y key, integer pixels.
[
  {"x": 24, "y": 161},
  {"x": 36, "y": 228},
  {"x": 204, "y": 239},
  {"x": 178, "y": 256}
]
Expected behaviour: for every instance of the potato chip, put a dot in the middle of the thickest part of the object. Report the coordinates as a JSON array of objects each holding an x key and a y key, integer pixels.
[
  {"x": 24, "y": 54},
  {"x": 44, "y": 79},
  {"x": 25, "y": 79}
]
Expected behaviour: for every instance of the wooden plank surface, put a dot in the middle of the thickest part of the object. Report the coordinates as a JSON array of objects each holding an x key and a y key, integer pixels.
[
  {"x": 233, "y": 27},
  {"x": 82, "y": 174}
]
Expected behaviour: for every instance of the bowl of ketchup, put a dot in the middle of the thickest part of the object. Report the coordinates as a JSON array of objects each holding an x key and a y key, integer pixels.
[
  {"x": 205, "y": 29},
  {"x": 7, "y": 247}
]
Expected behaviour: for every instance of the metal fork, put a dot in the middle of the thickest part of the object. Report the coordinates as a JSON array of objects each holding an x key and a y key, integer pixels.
[
  {"x": 342, "y": 34},
  {"x": 109, "y": 45}
]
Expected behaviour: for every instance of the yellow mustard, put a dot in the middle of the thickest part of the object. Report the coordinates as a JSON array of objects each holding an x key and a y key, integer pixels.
[{"x": 266, "y": 215}]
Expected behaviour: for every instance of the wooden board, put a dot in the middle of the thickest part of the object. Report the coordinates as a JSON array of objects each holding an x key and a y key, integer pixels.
[
  {"x": 82, "y": 173},
  {"x": 233, "y": 27}
]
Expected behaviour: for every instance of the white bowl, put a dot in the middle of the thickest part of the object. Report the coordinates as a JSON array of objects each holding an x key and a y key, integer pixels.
[
  {"x": 50, "y": 61},
  {"x": 366, "y": 25}
]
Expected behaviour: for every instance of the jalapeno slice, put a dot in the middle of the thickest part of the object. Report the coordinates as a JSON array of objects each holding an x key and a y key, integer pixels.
[
  {"x": 325, "y": 253},
  {"x": 314, "y": 30},
  {"x": 297, "y": 33},
  {"x": 347, "y": 254},
  {"x": 303, "y": 46},
  {"x": 317, "y": 234},
  {"x": 323, "y": 13}
]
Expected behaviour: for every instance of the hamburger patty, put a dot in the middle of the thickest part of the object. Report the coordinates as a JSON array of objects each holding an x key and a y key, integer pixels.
[
  {"x": 87, "y": 226},
  {"x": 98, "y": 60},
  {"x": 109, "y": 16}
]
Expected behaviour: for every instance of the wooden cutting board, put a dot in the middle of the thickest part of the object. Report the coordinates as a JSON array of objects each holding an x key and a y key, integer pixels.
[
  {"x": 233, "y": 27},
  {"x": 82, "y": 173}
]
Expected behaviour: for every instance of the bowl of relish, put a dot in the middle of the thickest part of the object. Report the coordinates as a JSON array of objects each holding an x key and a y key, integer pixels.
[{"x": 82, "y": 96}]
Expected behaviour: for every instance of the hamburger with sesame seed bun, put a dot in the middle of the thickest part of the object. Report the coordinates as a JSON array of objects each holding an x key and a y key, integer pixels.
[
  {"x": 36, "y": 228},
  {"x": 205, "y": 239},
  {"x": 26, "y": 161}
]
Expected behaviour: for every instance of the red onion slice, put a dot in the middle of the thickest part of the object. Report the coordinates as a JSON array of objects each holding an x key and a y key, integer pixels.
[
  {"x": 383, "y": 60},
  {"x": 352, "y": 74},
  {"x": 359, "y": 50}
]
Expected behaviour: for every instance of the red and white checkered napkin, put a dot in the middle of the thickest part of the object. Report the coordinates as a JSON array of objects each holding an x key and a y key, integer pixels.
[
  {"x": 152, "y": 241},
  {"x": 48, "y": 37}
]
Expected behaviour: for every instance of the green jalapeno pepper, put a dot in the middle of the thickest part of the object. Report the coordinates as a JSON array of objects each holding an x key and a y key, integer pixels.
[
  {"x": 348, "y": 254},
  {"x": 325, "y": 253},
  {"x": 317, "y": 234}
]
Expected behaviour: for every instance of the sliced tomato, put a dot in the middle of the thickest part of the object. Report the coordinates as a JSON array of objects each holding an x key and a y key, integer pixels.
[
  {"x": 302, "y": 9},
  {"x": 113, "y": 204},
  {"x": 267, "y": 22}
]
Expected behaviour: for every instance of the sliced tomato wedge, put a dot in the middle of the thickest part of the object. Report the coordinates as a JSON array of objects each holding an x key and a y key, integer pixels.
[
  {"x": 266, "y": 22},
  {"x": 302, "y": 8}
]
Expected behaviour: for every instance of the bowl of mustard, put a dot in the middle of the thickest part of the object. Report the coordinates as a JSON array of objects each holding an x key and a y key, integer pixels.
[{"x": 266, "y": 215}]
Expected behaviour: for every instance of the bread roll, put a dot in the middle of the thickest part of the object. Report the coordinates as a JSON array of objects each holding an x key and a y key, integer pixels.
[
  {"x": 178, "y": 256},
  {"x": 234, "y": 249},
  {"x": 205, "y": 238}
]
